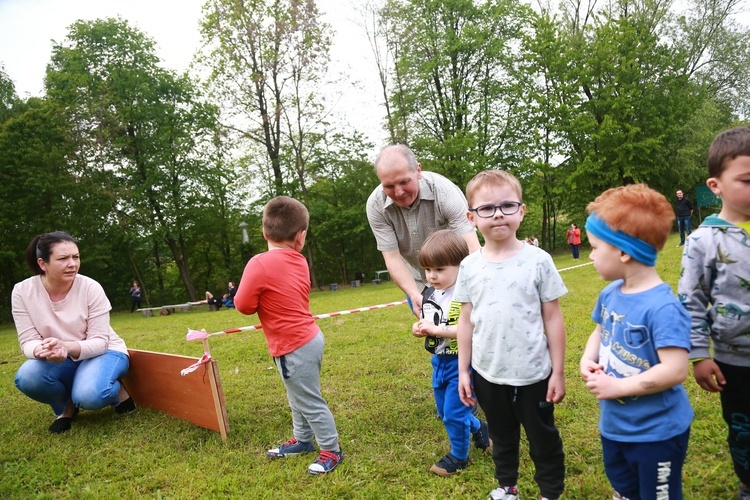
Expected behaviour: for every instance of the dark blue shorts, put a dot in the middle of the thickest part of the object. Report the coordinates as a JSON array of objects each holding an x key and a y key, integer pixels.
[{"x": 642, "y": 471}]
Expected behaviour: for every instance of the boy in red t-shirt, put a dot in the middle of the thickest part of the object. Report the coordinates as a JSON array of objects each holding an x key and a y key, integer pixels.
[{"x": 276, "y": 285}]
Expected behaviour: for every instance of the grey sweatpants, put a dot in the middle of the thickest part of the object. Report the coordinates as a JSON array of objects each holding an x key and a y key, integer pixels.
[{"x": 300, "y": 371}]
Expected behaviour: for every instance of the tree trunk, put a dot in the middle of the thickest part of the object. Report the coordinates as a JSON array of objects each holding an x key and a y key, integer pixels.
[{"x": 180, "y": 259}]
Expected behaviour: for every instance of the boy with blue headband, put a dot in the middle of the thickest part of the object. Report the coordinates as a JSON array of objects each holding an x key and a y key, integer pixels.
[
  {"x": 637, "y": 357},
  {"x": 715, "y": 289}
]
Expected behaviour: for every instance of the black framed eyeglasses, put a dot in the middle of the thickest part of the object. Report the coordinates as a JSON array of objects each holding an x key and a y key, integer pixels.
[{"x": 507, "y": 208}]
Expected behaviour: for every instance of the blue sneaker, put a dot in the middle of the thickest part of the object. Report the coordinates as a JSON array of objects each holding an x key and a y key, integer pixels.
[
  {"x": 481, "y": 438},
  {"x": 326, "y": 462},
  {"x": 449, "y": 465},
  {"x": 291, "y": 448},
  {"x": 744, "y": 492}
]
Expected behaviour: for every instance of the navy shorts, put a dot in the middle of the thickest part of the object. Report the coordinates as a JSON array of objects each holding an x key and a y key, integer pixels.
[{"x": 646, "y": 470}]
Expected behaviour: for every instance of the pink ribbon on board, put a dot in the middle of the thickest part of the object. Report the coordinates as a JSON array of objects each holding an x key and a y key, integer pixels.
[{"x": 198, "y": 335}]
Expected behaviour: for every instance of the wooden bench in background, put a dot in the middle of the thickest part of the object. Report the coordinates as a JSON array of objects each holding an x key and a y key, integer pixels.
[{"x": 149, "y": 311}]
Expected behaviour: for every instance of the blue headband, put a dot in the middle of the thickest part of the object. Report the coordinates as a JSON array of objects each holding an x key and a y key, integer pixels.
[{"x": 636, "y": 248}]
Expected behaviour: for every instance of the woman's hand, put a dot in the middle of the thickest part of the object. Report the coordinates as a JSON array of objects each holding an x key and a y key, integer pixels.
[{"x": 53, "y": 350}]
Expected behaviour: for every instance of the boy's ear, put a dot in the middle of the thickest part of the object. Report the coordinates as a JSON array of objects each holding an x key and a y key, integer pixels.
[
  {"x": 625, "y": 257},
  {"x": 265, "y": 237},
  {"x": 299, "y": 240},
  {"x": 713, "y": 185},
  {"x": 470, "y": 216}
]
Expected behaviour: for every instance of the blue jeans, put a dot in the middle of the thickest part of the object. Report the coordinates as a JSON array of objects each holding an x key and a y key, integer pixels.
[
  {"x": 574, "y": 250},
  {"x": 90, "y": 383},
  {"x": 684, "y": 223}
]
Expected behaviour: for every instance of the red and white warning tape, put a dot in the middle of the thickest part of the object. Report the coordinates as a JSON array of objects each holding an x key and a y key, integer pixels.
[
  {"x": 200, "y": 334},
  {"x": 575, "y": 267}
]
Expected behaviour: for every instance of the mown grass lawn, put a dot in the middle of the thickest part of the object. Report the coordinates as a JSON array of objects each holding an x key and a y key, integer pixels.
[{"x": 376, "y": 378}]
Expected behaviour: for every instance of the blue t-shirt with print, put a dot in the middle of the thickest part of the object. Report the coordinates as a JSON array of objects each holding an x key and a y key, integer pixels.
[{"x": 633, "y": 327}]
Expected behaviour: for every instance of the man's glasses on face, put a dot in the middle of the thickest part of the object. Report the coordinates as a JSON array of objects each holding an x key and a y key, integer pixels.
[{"x": 507, "y": 208}]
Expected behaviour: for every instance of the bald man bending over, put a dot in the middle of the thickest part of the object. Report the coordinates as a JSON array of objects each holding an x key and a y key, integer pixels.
[{"x": 405, "y": 209}]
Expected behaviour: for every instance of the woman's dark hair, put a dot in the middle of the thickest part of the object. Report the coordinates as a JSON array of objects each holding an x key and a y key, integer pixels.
[{"x": 40, "y": 247}]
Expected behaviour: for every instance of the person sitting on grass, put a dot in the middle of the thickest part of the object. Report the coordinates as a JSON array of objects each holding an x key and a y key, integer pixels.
[
  {"x": 440, "y": 256},
  {"x": 228, "y": 301},
  {"x": 229, "y": 296},
  {"x": 213, "y": 301},
  {"x": 276, "y": 285},
  {"x": 636, "y": 359}
]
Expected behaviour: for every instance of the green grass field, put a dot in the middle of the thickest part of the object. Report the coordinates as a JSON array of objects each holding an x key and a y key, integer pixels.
[{"x": 376, "y": 378}]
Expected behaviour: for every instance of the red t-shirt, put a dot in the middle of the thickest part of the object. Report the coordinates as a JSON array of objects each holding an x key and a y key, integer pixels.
[{"x": 276, "y": 285}]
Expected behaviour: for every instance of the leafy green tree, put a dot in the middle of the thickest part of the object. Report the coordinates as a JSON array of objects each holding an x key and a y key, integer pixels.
[
  {"x": 549, "y": 98},
  {"x": 342, "y": 241},
  {"x": 716, "y": 51},
  {"x": 38, "y": 192},
  {"x": 691, "y": 158},
  {"x": 141, "y": 132},
  {"x": 386, "y": 48},
  {"x": 458, "y": 80},
  {"x": 266, "y": 59},
  {"x": 620, "y": 99},
  {"x": 218, "y": 254},
  {"x": 637, "y": 102},
  {"x": 8, "y": 95}
]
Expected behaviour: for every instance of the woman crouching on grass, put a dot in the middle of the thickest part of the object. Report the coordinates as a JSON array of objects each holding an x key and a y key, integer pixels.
[{"x": 75, "y": 359}]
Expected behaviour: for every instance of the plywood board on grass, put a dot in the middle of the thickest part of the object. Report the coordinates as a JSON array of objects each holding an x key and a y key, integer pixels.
[{"x": 154, "y": 381}]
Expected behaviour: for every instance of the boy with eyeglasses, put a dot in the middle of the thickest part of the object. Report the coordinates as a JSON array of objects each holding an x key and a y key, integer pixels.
[{"x": 511, "y": 333}]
